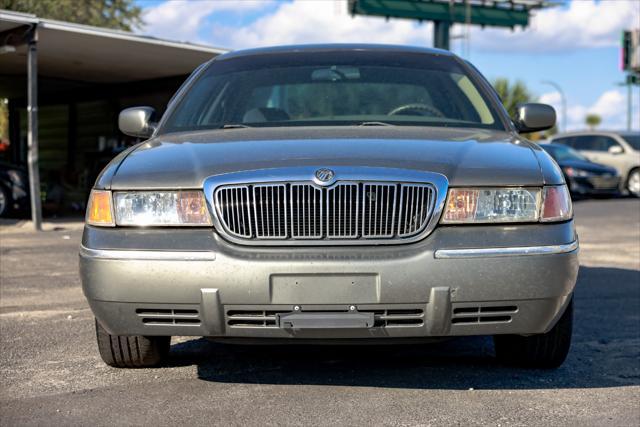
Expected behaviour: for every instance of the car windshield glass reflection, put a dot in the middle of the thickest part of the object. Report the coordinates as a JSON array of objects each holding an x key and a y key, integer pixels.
[
  {"x": 428, "y": 92},
  {"x": 633, "y": 141}
]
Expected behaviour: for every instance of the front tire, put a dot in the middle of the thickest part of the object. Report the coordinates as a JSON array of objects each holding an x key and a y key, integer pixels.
[
  {"x": 134, "y": 351},
  {"x": 633, "y": 183},
  {"x": 5, "y": 202},
  {"x": 538, "y": 351}
]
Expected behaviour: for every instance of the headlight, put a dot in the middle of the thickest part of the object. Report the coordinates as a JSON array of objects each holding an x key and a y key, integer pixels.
[
  {"x": 577, "y": 172},
  {"x": 161, "y": 208},
  {"x": 147, "y": 208},
  {"x": 502, "y": 205}
]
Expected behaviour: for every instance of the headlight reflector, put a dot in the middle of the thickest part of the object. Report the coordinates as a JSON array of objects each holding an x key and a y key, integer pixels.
[
  {"x": 482, "y": 205},
  {"x": 161, "y": 208}
]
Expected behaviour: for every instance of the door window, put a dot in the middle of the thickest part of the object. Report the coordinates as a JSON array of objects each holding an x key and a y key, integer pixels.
[{"x": 594, "y": 143}]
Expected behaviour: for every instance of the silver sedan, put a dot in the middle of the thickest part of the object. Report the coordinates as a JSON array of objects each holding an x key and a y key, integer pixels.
[{"x": 348, "y": 193}]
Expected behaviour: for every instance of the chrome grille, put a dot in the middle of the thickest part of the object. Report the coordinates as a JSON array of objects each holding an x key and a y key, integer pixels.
[
  {"x": 306, "y": 211},
  {"x": 413, "y": 212},
  {"x": 378, "y": 210},
  {"x": 270, "y": 208},
  {"x": 234, "y": 209},
  {"x": 344, "y": 211}
]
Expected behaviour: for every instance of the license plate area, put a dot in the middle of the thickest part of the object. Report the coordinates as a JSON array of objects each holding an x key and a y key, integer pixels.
[
  {"x": 325, "y": 288},
  {"x": 325, "y": 320}
]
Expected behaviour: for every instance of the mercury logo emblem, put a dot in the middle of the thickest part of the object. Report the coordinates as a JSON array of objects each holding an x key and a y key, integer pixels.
[{"x": 324, "y": 175}]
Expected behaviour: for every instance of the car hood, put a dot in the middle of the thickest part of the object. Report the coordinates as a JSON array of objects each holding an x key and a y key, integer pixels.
[{"x": 464, "y": 156}]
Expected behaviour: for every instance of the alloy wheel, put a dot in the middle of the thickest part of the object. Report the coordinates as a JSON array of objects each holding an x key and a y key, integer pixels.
[{"x": 633, "y": 183}]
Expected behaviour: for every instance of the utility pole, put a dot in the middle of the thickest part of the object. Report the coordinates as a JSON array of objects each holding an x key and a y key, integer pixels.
[
  {"x": 629, "y": 101},
  {"x": 441, "y": 34},
  {"x": 630, "y": 64},
  {"x": 32, "y": 129}
]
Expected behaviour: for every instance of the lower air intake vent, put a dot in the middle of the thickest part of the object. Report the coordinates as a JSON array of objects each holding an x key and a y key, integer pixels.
[
  {"x": 397, "y": 317},
  {"x": 253, "y": 318},
  {"x": 383, "y": 317},
  {"x": 483, "y": 314},
  {"x": 168, "y": 316}
]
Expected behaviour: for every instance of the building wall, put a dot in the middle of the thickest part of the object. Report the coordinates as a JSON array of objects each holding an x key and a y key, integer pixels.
[{"x": 78, "y": 135}]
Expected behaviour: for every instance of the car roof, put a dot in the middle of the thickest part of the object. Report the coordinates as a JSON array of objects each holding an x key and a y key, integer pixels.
[
  {"x": 329, "y": 47},
  {"x": 594, "y": 132}
]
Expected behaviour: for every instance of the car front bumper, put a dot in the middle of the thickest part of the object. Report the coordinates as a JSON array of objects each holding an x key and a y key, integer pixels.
[
  {"x": 473, "y": 280},
  {"x": 595, "y": 185}
]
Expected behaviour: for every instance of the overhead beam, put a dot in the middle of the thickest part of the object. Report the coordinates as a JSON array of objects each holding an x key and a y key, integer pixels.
[{"x": 495, "y": 14}]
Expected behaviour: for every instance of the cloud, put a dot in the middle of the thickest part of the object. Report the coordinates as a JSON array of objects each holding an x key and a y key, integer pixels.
[
  {"x": 582, "y": 24},
  {"x": 302, "y": 22},
  {"x": 611, "y": 106},
  {"x": 182, "y": 20}
]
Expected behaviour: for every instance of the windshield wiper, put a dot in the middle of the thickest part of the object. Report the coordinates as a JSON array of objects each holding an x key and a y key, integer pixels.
[
  {"x": 233, "y": 126},
  {"x": 375, "y": 124}
]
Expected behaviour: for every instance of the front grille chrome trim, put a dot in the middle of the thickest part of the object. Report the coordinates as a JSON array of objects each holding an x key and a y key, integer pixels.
[
  {"x": 363, "y": 206},
  {"x": 508, "y": 251}
]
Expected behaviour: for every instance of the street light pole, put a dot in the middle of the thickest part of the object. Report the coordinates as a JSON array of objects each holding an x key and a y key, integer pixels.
[{"x": 563, "y": 99}]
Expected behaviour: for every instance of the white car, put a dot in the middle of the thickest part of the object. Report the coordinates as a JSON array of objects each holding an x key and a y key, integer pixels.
[{"x": 620, "y": 150}]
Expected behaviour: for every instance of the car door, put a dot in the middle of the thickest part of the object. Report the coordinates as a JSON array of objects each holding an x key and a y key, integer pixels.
[{"x": 601, "y": 149}]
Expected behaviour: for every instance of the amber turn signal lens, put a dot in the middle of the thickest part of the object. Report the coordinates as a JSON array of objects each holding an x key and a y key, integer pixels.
[
  {"x": 461, "y": 205},
  {"x": 99, "y": 209}
]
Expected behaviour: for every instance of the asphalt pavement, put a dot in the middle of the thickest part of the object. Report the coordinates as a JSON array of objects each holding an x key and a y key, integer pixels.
[{"x": 51, "y": 374}]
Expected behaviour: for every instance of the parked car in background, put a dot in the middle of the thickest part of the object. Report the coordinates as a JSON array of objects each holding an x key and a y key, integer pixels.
[
  {"x": 14, "y": 192},
  {"x": 620, "y": 150},
  {"x": 348, "y": 193},
  {"x": 583, "y": 176}
]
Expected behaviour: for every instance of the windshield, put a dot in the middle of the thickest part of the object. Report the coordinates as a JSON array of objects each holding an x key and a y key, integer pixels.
[
  {"x": 563, "y": 153},
  {"x": 332, "y": 89},
  {"x": 633, "y": 141}
]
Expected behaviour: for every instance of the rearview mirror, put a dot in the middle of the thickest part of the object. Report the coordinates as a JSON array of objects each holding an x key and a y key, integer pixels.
[
  {"x": 534, "y": 117},
  {"x": 615, "y": 149},
  {"x": 137, "y": 121},
  {"x": 335, "y": 73}
]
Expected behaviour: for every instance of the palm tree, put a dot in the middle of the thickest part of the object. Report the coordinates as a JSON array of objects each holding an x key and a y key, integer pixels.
[
  {"x": 592, "y": 120},
  {"x": 512, "y": 95}
]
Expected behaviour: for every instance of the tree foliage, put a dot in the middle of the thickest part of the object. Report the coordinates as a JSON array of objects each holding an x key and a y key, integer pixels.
[
  {"x": 592, "y": 120},
  {"x": 512, "y": 94},
  {"x": 117, "y": 14}
]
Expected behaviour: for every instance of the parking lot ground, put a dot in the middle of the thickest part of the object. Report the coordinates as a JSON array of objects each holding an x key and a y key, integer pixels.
[{"x": 51, "y": 374}]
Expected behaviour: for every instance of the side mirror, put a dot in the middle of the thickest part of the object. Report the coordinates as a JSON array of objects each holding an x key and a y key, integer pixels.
[
  {"x": 534, "y": 117},
  {"x": 615, "y": 149},
  {"x": 137, "y": 121}
]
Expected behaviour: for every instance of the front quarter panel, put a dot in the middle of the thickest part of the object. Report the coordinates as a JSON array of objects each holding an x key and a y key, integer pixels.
[
  {"x": 103, "y": 182},
  {"x": 551, "y": 172}
]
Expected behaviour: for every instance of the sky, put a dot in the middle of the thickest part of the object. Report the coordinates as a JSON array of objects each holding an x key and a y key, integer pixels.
[{"x": 576, "y": 44}]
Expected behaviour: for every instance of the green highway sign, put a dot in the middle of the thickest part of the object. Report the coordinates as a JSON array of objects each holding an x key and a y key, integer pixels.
[{"x": 486, "y": 13}]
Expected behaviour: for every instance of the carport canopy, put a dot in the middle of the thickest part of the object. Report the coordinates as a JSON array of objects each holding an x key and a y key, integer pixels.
[{"x": 31, "y": 47}]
